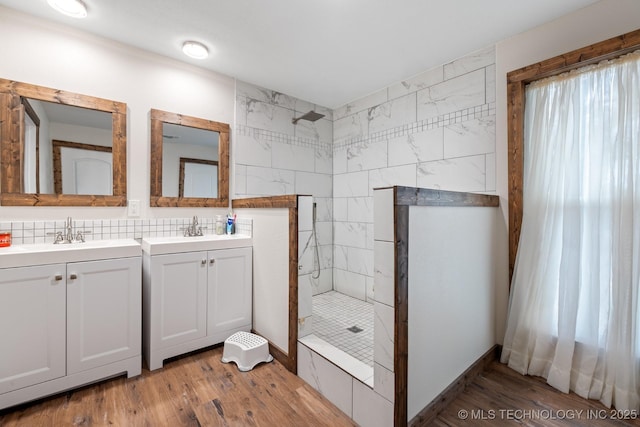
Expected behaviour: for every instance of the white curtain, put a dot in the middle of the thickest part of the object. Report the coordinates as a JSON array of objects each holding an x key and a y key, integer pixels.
[{"x": 573, "y": 311}]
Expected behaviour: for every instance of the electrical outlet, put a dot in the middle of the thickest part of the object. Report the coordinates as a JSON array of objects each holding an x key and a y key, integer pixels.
[{"x": 134, "y": 208}]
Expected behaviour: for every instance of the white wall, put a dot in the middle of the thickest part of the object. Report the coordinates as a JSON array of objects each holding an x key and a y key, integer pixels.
[
  {"x": 451, "y": 296},
  {"x": 270, "y": 273},
  {"x": 600, "y": 21},
  {"x": 55, "y": 56},
  {"x": 171, "y": 153}
]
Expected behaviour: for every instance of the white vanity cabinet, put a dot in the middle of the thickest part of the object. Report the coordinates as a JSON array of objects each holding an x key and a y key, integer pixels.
[
  {"x": 67, "y": 324},
  {"x": 196, "y": 298}
]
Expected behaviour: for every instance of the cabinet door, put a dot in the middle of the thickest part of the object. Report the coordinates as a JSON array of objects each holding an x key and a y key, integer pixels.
[
  {"x": 230, "y": 281},
  {"x": 104, "y": 319},
  {"x": 32, "y": 325},
  {"x": 178, "y": 298}
]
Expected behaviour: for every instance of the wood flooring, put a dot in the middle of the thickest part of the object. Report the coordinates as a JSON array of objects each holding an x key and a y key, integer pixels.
[
  {"x": 500, "y": 396},
  {"x": 193, "y": 390}
]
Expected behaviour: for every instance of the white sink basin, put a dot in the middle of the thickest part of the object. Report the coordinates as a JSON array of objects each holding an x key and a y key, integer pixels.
[
  {"x": 176, "y": 244},
  {"x": 48, "y": 253}
]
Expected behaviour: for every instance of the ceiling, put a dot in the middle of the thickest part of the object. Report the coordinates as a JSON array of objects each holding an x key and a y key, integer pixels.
[{"x": 326, "y": 52}]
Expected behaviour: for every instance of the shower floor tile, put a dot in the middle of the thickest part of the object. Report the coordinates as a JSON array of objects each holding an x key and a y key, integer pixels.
[{"x": 334, "y": 314}]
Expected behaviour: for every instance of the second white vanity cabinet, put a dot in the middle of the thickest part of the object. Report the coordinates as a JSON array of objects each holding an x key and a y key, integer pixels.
[
  {"x": 194, "y": 298},
  {"x": 66, "y": 324}
]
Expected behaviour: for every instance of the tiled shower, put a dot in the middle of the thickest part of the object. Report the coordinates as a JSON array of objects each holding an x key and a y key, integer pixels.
[{"x": 436, "y": 130}]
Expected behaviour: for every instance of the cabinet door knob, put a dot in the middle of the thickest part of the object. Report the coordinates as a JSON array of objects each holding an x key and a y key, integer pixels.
[
  {"x": 73, "y": 276},
  {"x": 58, "y": 277},
  {"x": 212, "y": 261},
  {"x": 204, "y": 261}
]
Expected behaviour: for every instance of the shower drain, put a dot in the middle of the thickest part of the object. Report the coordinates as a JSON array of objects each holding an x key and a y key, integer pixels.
[{"x": 355, "y": 329}]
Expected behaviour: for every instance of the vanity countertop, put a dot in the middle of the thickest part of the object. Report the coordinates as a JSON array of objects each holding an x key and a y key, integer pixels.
[
  {"x": 176, "y": 244},
  {"x": 48, "y": 253}
]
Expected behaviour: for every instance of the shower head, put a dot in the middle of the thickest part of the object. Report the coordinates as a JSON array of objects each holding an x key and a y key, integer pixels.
[{"x": 311, "y": 116}]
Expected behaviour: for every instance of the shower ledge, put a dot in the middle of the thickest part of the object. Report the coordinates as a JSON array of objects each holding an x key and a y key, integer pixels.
[{"x": 346, "y": 362}]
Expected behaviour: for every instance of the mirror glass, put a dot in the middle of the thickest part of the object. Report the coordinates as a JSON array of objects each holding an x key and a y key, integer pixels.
[
  {"x": 61, "y": 148},
  {"x": 74, "y": 150},
  {"x": 189, "y": 161}
]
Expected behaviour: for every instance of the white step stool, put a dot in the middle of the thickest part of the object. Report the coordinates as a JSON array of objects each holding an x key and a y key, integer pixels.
[{"x": 246, "y": 350}]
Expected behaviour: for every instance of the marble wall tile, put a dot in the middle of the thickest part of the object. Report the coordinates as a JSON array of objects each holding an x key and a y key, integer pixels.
[
  {"x": 414, "y": 84},
  {"x": 490, "y": 160},
  {"x": 239, "y": 185},
  {"x": 370, "y": 240},
  {"x": 384, "y": 273},
  {"x": 267, "y": 181},
  {"x": 477, "y": 136},
  {"x": 294, "y": 157},
  {"x": 397, "y": 175},
  {"x": 326, "y": 256},
  {"x": 331, "y": 381},
  {"x": 305, "y": 326},
  {"x": 320, "y": 130},
  {"x": 416, "y": 147},
  {"x": 241, "y": 110},
  {"x": 324, "y": 230},
  {"x": 396, "y": 112},
  {"x": 340, "y": 257},
  {"x": 383, "y": 205},
  {"x": 384, "y": 382},
  {"x": 305, "y": 305},
  {"x": 349, "y": 283},
  {"x": 249, "y": 150},
  {"x": 247, "y": 90},
  {"x": 360, "y": 209},
  {"x": 460, "y": 174},
  {"x": 351, "y": 184},
  {"x": 383, "y": 331},
  {"x": 360, "y": 261},
  {"x": 452, "y": 95},
  {"x": 268, "y": 116},
  {"x": 340, "y": 209},
  {"x": 370, "y": 291},
  {"x": 302, "y": 107},
  {"x": 323, "y": 160},
  {"x": 369, "y": 408},
  {"x": 305, "y": 213},
  {"x": 474, "y": 61},
  {"x": 328, "y": 113},
  {"x": 324, "y": 208},
  {"x": 368, "y": 155},
  {"x": 316, "y": 184},
  {"x": 339, "y": 161},
  {"x": 353, "y": 234},
  {"x": 352, "y": 126},
  {"x": 324, "y": 283},
  {"x": 361, "y": 104},
  {"x": 491, "y": 83},
  {"x": 306, "y": 256}
]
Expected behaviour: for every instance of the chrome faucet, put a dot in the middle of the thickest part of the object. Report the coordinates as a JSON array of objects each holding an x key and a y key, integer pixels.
[
  {"x": 68, "y": 235},
  {"x": 193, "y": 229}
]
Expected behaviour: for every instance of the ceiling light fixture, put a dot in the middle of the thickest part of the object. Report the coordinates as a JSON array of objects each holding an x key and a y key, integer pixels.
[
  {"x": 73, "y": 8},
  {"x": 195, "y": 50}
]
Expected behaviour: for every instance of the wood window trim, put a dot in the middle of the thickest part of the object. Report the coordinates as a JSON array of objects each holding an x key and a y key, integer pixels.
[
  {"x": 516, "y": 82},
  {"x": 57, "y": 158},
  {"x": 183, "y": 162}
]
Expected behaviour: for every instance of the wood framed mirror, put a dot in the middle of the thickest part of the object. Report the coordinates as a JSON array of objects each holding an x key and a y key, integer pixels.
[
  {"x": 189, "y": 156},
  {"x": 27, "y": 179}
]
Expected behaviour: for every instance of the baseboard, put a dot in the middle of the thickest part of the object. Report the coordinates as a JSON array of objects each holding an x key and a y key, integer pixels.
[{"x": 431, "y": 411}]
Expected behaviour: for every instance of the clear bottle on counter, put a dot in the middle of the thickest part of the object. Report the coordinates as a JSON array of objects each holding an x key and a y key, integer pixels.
[{"x": 220, "y": 224}]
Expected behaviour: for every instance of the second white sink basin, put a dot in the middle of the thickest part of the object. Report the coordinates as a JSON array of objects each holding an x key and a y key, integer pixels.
[{"x": 176, "y": 244}]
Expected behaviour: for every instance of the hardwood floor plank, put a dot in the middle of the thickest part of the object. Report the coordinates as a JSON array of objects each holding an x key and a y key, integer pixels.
[
  {"x": 193, "y": 390},
  {"x": 501, "y": 396}
]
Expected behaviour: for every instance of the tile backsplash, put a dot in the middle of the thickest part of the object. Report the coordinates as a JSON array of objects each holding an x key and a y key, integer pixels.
[{"x": 29, "y": 232}]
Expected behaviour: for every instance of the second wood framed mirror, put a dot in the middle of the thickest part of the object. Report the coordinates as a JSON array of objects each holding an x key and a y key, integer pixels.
[{"x": 189, "y": 161}]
